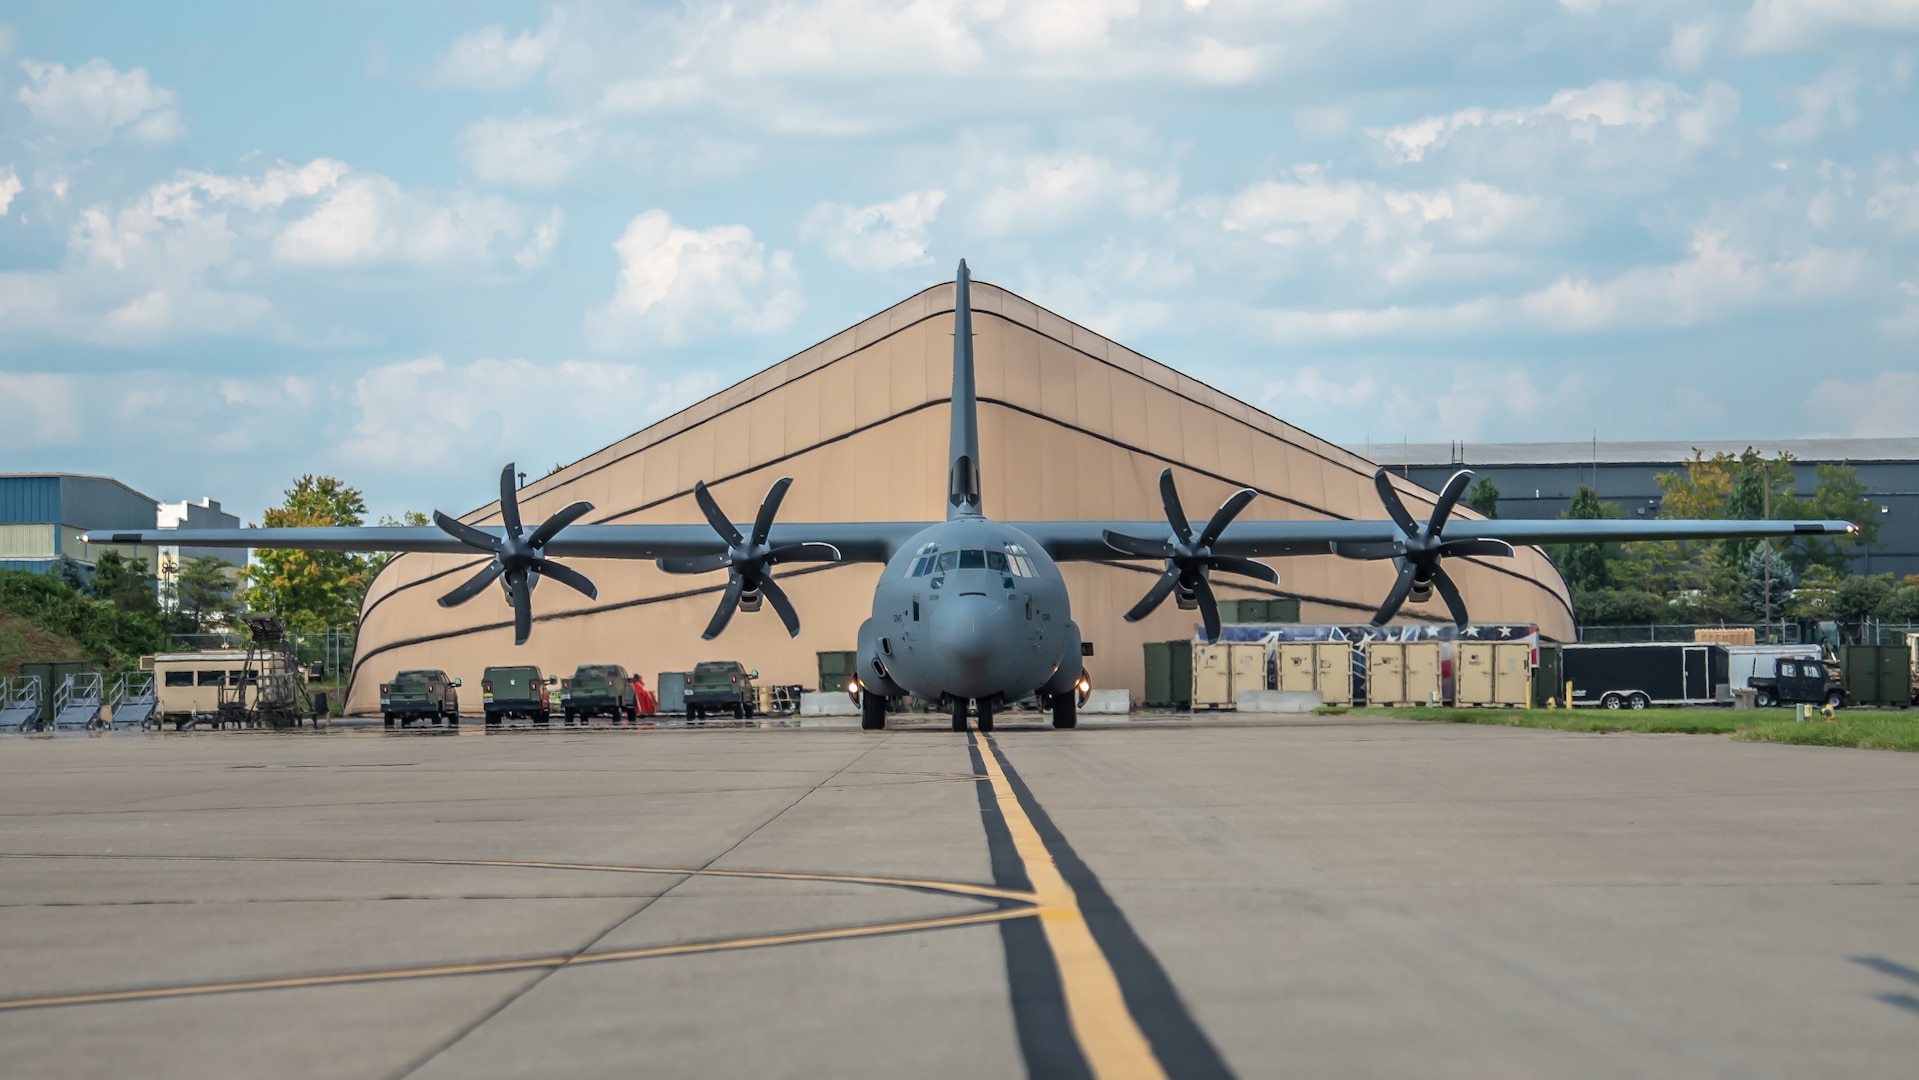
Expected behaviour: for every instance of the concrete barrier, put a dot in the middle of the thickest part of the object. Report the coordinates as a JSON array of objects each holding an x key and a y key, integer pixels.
[
  {"x": 1108, "y": 703},
  {"x": 1279, "y": 701},
  {"x": 831, "y": 703}
]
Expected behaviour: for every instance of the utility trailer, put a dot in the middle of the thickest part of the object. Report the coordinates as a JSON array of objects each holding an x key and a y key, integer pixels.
[{"x": 1641, "y": 674}]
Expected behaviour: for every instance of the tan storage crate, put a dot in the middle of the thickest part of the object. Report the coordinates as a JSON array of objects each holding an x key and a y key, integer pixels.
[
  {"x": 1334, "y": 660},
  {"x": 1725, "y": 635},
  {"x": 1513, "y": 674},
  {"x": 1423, "y": 683},
  {"x": 1249, "y": 667},
  {"x": 1385, "y": 673},
  {"x": 1298, "y": 666},
  {"x": 1473, "y": 669},
  {"x": 1212, "y": 676}
]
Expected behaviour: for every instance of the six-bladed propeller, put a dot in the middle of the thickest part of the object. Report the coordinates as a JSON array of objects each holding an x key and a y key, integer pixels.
[
  {"x": 1421, "y": 549},
  {"x": 748, "y": 560},
  {"x": 1190, "y": 558},
  {"x": 516, "y": 557}
]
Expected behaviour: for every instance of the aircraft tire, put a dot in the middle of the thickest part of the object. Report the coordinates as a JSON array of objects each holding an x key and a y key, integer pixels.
[
  {"x": 872, "y": 712},
  {"x": 985, "y": 715},
  {"x": 959, "y": 714},
  {"x": 1065, "y": 712}
]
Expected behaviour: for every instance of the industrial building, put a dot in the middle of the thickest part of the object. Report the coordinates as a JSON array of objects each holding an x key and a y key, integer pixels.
[
  {"x": 1537, "y": 480},
  {"x": 1072, "y": 426},
  {"x": 44, "y": 515}
]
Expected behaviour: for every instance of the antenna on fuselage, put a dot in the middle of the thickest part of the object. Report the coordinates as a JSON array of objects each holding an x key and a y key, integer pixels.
[{"x": 962, "y": 472}]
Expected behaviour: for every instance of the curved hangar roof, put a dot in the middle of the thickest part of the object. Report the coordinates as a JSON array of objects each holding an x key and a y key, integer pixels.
[{"x": 1072, "y": 426}]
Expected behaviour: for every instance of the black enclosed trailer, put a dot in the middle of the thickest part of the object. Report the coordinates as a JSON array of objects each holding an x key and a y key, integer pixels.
[{"x": 1633, "y": 676}]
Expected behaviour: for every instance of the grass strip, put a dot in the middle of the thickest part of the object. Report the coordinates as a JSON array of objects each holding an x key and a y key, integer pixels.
[{"x": 1868, "y": 729}]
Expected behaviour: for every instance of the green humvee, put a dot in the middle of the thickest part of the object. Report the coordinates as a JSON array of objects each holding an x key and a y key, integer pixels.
[
  {"x": 516, "y": 691},
  {"x": 422, "y": 694},
  {"x": 720, "y": 687}
]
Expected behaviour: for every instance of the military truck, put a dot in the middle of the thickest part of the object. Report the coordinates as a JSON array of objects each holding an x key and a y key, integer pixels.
[
  {"x": 421, "y": 694},
  {"x": 1796, "y": 680},
  {"x": 599, "y": 690},
  {"x": 720, "y": 687},
  {"x": 518, "y": 691}
]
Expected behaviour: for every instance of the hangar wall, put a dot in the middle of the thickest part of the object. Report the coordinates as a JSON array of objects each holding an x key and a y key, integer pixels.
[{"x": 1072, "y": 426}]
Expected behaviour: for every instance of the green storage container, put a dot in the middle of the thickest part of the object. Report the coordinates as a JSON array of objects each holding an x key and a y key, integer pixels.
[
  {"x": 836, "y": 668},
  {"x": 1876, "y": 674},
  {"x": 1548, "y": 682},
  {"x": 52, "y": 673},
  {"x": 1259, "y": 611},
  {"x": 1169, "y": 675}
]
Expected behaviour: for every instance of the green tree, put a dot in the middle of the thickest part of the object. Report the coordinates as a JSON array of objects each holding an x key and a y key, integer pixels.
[
  {"x": 1816, "y": 596},
  {"x": 1839, "y": 495},
  {"x": 69, "y": 571},
  {"x": 126, "y": 583},
  {"x": 1483, "y": 497},
  {"x": 202, "y": 595},
  {"x": 1586, "y": 567},
  {"x": 1615, "y": 607},
  {"x": 311, "y": 590},
  {"x": 1765, "y": 582}
]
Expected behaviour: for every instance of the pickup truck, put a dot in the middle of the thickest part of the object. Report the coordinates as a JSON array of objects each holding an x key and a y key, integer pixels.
[
  {"x": 422, "y": 694},
  {"x": 720, "y": 687},
  {"x": 597, "y": 689},
  {"x": 1796, "y": 681},
  {"x": 518, "y": 691}
]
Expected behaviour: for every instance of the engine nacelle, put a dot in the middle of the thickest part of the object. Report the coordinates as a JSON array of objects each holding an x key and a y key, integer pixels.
[{"x": 871, "y": 665}]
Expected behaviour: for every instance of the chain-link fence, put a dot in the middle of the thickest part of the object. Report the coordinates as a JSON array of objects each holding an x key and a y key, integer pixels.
[
  {"x": 325, "y": 655},
  {"x": 1867, "y": 632}
]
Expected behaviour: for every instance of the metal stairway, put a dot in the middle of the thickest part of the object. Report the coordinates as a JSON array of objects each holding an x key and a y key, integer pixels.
[
  {"x": 131, "y": 700},
  {"x": 76, "y": 704},
  {"x": 20, "y": 703}
]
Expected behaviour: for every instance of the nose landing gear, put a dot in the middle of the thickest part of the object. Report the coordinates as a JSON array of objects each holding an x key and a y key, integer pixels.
[{"x": 984, "y": 707}]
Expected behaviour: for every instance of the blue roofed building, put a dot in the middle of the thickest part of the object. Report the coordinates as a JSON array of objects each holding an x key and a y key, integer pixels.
[{"x": 43, "y": 517}]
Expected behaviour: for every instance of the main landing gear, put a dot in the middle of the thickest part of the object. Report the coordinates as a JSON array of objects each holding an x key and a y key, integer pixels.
[
  {"x": 985, "y": 707},
  {"x": 872, "y": 711}
]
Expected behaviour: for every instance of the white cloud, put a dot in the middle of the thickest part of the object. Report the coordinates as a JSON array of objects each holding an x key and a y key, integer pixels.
[
  {"x": 527, "y": 151},
  {"x": 1055, "y": 191},
  {"x": 487, "y": 402},
  {"x": 38, "y": 408},
  {"x": 9, "y": 187},
  {"x": 1884, "y": 406},
  {"x": 94, "y": 102},
  {"x": 486, "y": 59},
  {"x": 1691, "y": 41},
  {"x": 1468, "y": 401},
  {"x": 1824, "y": 102},
  {"x": 366, "y": 219},
  {"x": 1792, "y": 25},
  {"x": 1584, "y": 111},
  {"x": 867, "y": 37},
  {"x": 883, "y": 236},
  {"x": 676, "y": 283},
  {"x": 1064, "y": 25}
]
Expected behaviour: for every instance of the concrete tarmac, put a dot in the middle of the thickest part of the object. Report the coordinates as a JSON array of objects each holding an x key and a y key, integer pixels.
[{"x": 1290, "y": 897}]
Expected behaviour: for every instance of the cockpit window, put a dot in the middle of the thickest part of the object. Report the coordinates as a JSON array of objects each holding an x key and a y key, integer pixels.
[
  {"x": 949, "y": 560},
  {"x": 1011, "y": 562},
  {"x": 972, "y": 559},
  {"x": 996, "y": 562}
]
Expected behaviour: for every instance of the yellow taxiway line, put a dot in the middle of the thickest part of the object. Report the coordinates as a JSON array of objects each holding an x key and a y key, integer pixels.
[{"x": 1108, "y": 1035}]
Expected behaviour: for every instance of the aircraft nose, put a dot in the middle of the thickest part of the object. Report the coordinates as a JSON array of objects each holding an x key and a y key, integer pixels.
[{"x": 969, "y": 631}]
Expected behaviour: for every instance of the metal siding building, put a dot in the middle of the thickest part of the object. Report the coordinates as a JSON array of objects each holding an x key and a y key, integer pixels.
[
  {"x": 1072, "y": 426},
  {"x": 43, "y": 514},
  {"x": 1536, "y": 480}
]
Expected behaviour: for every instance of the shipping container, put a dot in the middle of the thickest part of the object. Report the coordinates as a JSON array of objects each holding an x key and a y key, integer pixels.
[
  {"x": 672, "y": 692},
  {"x": 1403, "y": 673},
  {"x": 1169, "y": 675},
  {"x": 1548, "y": 680},
  {"x": 1284, "y": 610},
  {"x": 1212, "y": 676},
  {"x": 1871, "y": 674},
  {"x": 1493, "y": 673},
  {"x": 1322, "y": 666},
  {"x": 1633, "y": 676}
]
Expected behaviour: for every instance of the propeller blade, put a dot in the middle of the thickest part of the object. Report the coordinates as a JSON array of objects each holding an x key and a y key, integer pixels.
[
  {"x": 1133, "y": 545},
  {"x": 1448, "y": 498},
  {"x": 1449, "y": 592},
  {"x": 1232, "y": 564},
  {"x": 729, "y": 603},
  {"x": 1485, "y": 548},
  {"x": 522, "y": 609},
  {"x": 474, "y": 585},
  {"x": 567, "y": 576},
  {"x": 1208, "y": 609},
  {"x": 1175, "y": 513},
  {"x": 1396, "y": 599},
  {"x": 1224, "y": 516},
  {"x": 1360, "y": 550},
  {"x": 777, "y": 597},
  {"x": 715, "y": 516},
  {"x": 509, "y": 501},
  {"x": 807, "y": 551},
  {"x": 1389, "y": 498},
  {"x": 695, "y": 564},
  {"x": 1154, "y": 597},
  {"x": 557, "y": 522},
  {"x": 466, "y": 534},
  {"x": 769, "y": 507}
]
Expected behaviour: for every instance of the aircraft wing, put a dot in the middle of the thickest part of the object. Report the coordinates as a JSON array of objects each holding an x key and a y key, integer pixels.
[
  {"x": 856, "y": 541},
  {"x": 1079, "y": 541}
]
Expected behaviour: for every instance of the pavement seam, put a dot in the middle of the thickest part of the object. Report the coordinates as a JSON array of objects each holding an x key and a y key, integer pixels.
[{"x": 460, "y": 1035}]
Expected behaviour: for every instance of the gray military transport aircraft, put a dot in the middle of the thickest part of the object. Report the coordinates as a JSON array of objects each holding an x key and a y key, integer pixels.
[{"x": 970, "y": 609}]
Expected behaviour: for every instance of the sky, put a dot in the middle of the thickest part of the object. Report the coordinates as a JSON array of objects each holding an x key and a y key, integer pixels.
[{"x": 404, "y": 243}]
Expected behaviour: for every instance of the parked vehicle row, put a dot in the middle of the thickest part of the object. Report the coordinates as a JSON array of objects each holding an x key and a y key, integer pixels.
[{"x": 519, "y": 692}]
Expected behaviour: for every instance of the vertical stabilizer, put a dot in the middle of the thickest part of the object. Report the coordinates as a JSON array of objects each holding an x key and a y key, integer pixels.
[{"x": 962, "y": 471}]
